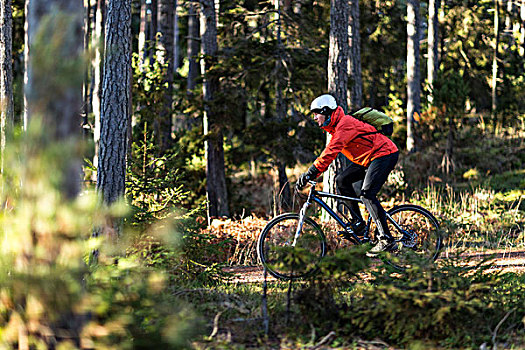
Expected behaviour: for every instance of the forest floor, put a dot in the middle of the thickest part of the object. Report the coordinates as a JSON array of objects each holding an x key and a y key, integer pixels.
[
  {"x": 244, "y": 268},
  {"x": 502, "y": 260}
]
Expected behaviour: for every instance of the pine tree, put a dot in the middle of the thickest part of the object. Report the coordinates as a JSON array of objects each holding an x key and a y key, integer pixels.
[
  {"x": 116, "y": 97},
  {"x": 337, "y": 80},
  {"x": 216, "y": 191},
  {"x": 54, "y": 88},
  {"x": 413, "y": 74},
  {"x": 6, "y": 74},
  {"x": 356, "y": 89},
  {"x": 163, "y": 123}
]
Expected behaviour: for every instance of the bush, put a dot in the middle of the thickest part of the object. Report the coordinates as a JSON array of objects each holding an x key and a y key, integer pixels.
[{"x": 49, "y": 296}]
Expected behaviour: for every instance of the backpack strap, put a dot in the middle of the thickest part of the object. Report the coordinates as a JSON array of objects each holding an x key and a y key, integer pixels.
[{"x": 361, "y": 115}]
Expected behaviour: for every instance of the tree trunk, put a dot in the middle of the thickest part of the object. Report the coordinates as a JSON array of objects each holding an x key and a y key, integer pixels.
[
  {"x": 284, "y": 195},
  {"x": 215, "y": 173},
  {"x": 154, "y": 8},
  {"x": 163, "y": 123},
  {"x": 6, "y": 75},
  {"x": 521, "y": 49},
  {"x": 337, "y": 82},
  {"x": 433, "y": 40},
  {"x": 413, "y": 74},
  {"x": 176, "y": 54},
  {"x": 193, "y": 45},
  {"x": 115, "y": 102},
  {"x": 356, "y": 92},
  {"x": 508, "y": 19},
  {"x": 54, "y": 88},
  {"x": 495, "y": 59},
  {"x": 98, "y": 69},
  {"x": 25, "y": 118},
  {"x": 143, "y": 52},
  {"x": 86, "y": 93},
  {"x": 338, "y": 52}
]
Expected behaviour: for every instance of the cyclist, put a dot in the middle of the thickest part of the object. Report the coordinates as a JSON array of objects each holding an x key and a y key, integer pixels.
[{"x": 372, "y": 157}]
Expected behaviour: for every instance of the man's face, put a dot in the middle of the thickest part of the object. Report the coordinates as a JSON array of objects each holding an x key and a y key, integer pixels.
[{"x": 319, "y": 118}]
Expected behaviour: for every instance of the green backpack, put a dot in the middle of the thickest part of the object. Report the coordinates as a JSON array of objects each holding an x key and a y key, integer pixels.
[{"x": 379, "y": 120}]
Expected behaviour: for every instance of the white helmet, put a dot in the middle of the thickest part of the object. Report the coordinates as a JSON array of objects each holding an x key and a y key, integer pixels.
[{"x": 324, "y": 104}]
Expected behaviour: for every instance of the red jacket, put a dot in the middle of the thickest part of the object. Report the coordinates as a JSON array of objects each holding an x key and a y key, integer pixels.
[{"x": 358, "y": 141}]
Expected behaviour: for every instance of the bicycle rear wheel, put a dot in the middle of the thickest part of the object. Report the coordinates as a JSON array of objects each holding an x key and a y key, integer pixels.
[
  {"x": 417, "y": 235},
  {"x": 280, "y": 258}
]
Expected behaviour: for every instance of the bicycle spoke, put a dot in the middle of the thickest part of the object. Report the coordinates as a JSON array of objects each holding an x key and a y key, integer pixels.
[
  {"x": 417, "y": 235},
  {"x": 284, "y": 260}
]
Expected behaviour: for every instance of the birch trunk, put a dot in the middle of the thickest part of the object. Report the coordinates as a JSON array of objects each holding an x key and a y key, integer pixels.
[
  {"x": 98, "y": 69},
  {"x": 433, "y": 40},
  {"x": 143, "y": 32}
]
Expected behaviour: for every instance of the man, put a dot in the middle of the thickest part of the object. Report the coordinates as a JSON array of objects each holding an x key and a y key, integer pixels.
[{"x": 372, "y": 155}]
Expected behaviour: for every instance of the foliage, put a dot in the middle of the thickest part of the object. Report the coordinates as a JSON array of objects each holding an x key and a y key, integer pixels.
[
  {"x": 452, "y": 304},
  {"x": 458, "y": 303},
  {"x": 49, "y": 296}
]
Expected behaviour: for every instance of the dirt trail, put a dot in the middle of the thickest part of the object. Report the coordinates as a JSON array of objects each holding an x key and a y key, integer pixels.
[{"x": 504, "y": 260}]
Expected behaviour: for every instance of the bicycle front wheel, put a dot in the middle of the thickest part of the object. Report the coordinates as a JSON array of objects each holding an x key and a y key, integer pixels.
[
  {"x": 417, "y": 235},
  {"x": 280, "y": 257}
]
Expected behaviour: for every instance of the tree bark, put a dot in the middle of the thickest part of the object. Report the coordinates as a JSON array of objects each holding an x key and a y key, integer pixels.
[
  {"x": 433, "y": 40},
  {"x": 413, "y": 73},
  {"x": 143, "y": 32},
  {"x": 6, "y": 74},
  {"x": 338, "y": 52},
  {"x": 337, "y": 82},
  {"x": 154, "y": 8},
  {"x": 115, "y": 102},
  {"x": 284, "y": 195},
  {"x": 54, "y": 88},
  {"x": 215, "y": 173},
  {"x": 521, "y": 49},
  {"x": 495, "y": 59},
  {"x": 193, "y": 45},
  {"x": 25, "y": 118},
  {"x": 163, "y": 123},
  {"x": 176, "y": 51},
  {"x": 98, "y": 70},
  {"x": 86, "y": 92},
  {"x": 356, "y": 90}
]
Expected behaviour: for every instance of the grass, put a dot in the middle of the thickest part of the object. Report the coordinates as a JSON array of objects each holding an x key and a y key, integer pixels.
[
  {"x": 455, "y": 306},
  {"x": 461, "y": 303}
]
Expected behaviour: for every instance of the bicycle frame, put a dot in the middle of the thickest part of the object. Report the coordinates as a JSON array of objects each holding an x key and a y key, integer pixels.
[{"x": 316, "y": 196}]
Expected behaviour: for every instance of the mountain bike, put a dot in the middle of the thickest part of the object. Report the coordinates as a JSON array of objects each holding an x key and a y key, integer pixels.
[{"x": 292, "y": 245}]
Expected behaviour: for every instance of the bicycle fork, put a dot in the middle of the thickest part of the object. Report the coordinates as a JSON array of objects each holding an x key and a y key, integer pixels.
[{"x": 302, "y": 217}]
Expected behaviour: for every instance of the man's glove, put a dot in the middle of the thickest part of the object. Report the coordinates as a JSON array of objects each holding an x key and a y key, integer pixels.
[{"x": 311, "y": 174}]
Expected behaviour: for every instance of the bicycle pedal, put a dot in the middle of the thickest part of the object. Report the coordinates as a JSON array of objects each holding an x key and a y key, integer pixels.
[
  {"x": 343, "y": 234},
  {"x": 347, "y": 235}
]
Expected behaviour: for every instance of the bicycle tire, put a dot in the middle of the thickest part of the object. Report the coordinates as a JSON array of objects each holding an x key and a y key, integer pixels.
[
  {"x": 427, "y": 241},
  {"x": 278, "y": 234}
]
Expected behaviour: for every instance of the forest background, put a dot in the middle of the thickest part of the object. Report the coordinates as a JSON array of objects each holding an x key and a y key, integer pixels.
[{"x": 145, "y": 143}]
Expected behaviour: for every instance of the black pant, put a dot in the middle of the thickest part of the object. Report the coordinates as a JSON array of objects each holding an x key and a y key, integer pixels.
[{"x": 358, "y": 181}]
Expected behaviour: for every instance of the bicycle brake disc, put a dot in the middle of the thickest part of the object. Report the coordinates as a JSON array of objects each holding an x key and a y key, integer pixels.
[{"x": 411, "y": 240}]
